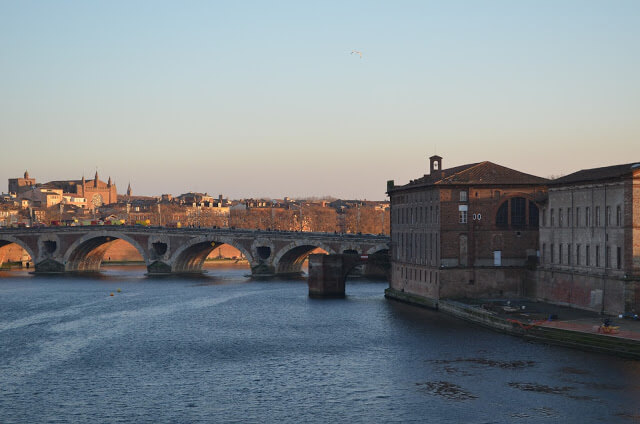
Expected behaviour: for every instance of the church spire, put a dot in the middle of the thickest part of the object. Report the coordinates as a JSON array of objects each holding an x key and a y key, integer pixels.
[
  {"x": 129, "y": 190},
  {"x": 26, "y": 175},
  {"x": 95, "y": 180},
  {"x": 109, "y": 182}
]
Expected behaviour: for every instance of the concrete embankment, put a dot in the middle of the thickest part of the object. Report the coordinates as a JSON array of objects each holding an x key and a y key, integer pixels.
[{"x": 583, "y": 336}]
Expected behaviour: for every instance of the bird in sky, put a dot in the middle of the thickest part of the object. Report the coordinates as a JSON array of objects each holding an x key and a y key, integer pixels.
[{"x": 357, "y": 52}]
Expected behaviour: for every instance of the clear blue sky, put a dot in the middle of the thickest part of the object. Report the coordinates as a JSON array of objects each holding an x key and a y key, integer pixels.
[{"x": 264, "y": 98}]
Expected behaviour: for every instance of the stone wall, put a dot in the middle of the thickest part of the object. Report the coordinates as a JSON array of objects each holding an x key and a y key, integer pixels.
[
  {"x": 490, "y": 282},
  {"x": 599, "y": 293}
]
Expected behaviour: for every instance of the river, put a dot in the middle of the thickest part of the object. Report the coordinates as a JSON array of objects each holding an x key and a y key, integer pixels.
[{"x": 224, "y": 348}]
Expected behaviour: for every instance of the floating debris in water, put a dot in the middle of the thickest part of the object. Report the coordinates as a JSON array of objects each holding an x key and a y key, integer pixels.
[
  {"x": 446, "y": 390},
  {"x": 487, "y": 362},
  {"x": 571, "y": 370},
  {"x": 541, "y": 388},
  {"x": 536, "y": 412},
  {"x": 457, "y": 371}
]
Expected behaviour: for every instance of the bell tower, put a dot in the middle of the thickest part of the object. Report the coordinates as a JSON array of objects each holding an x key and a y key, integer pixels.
[{"x": 435, "y": 164}]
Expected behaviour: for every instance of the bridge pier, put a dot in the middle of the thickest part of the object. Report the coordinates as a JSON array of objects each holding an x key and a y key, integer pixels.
[
  {"x": 326, "y": 276},
  {"x": 262, "y": 270},
  {"x": 158, "y": 268},
  {"x": 48, "y": 266}
]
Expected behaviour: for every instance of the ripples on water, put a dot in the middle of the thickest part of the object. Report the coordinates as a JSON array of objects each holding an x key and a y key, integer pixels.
[{"x": 222, "y": 348}]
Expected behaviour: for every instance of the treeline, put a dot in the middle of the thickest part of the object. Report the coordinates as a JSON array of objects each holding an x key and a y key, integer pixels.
[{"x": 306, "y": 218}]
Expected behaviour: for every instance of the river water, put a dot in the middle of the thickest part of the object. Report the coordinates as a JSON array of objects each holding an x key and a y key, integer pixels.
[{"x": 223, "y": 348}]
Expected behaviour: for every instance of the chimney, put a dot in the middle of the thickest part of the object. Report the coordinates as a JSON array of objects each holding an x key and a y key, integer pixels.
[{"x": 435, "y": 164}]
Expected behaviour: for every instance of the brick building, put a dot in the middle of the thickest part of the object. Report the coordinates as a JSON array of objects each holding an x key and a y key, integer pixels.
[
  {"x": 18, "y": 185},
  {"x": 468, "y": 231},
  {"x": 96, "y": 192},
  {"x": 590, "y": 240}
]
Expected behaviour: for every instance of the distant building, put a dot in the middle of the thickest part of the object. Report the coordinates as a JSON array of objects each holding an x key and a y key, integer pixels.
[
  {"x": 467, "y": 231},
  {"x": 95, "y": 192},
  {"x": 9, "y": 215},
  {"x": 195, "y": 199},
  {"x": 18, "y": 185},
  {"x": 590, "y": 240},
  {"x": 43, "y": 197}
]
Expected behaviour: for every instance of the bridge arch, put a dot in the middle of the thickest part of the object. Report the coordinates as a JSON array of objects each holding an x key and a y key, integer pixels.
[
  {"x": 6, "y": 240},
  {"x": 190, "y": 256},
  {"x": 290, "y": 258},
  {"x": 86, "y": 253}
]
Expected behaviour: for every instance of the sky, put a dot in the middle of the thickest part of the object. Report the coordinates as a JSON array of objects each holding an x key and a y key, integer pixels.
[{"x": 265, "y": 99}]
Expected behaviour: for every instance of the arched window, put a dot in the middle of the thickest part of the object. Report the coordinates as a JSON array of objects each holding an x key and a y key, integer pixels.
[
  {"x": 517, "y": 212},
  {"x": 534, "y": 220},
  {"x": 502, "y": 217}
]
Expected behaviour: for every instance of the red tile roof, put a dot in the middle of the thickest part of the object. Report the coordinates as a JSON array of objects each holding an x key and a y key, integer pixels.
[{"x": 482, "y": 173}]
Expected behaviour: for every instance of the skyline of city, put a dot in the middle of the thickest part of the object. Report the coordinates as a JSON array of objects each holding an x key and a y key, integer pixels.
[{"x": 263, "y": 100}]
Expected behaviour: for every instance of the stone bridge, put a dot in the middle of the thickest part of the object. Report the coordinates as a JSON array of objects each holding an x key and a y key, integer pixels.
[{"x": 182, "y": 250}]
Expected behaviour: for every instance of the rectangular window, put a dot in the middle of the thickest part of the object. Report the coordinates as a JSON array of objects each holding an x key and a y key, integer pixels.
[
  {"x": 597, "y": 216},
  {"x": 618, "y": 216},
  {"x": 569, "y": 223},
  {"x": 544, "y": 217},
  {"x": 578, "y": 254},
  {"x": 552, "y": 218},
  {"x": 577, "y": 217},
  {"x": 587, "y": 217},
  {"x": 431, "y": 246},
  {"x": 587, "y": 256},
  {"x": 560, "y": 253},
  {"x": 607, "y": 253},
  {"x": 618, "y": 257},
  {"x": 463, "y": 196},
  {"x": 608, "y": 218},
  {"x": 597, "y": 255},
  {"x": 560, "y": 220},
  {"x": 544, "y": 253},
  {"x": 568, "y": 254},
  {"x": 463, "y": 217},
  {"x": 553, "y": 258},
  {"x": 462, "y": 210}
]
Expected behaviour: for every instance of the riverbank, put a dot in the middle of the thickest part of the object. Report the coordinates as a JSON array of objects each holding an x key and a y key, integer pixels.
[
  {"x": 541, "y": 322},
  {"x": 14, "y": 265}
]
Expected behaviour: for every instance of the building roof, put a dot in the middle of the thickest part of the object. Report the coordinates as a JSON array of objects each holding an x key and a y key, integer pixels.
[
  {"x": 597, "y": 174},
  {"x": 64, "y": 184},
  {"x": 481, "y": 173}
]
